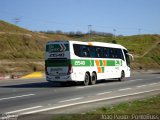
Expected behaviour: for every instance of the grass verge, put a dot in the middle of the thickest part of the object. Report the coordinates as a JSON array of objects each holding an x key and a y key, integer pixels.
[{"x": 140, "y": 109}]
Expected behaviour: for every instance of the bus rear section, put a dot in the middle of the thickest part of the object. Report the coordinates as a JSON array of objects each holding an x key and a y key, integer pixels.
[{"x": 57, "y": 61}]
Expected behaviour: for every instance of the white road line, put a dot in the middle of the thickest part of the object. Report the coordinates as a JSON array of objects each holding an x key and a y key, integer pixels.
[
  {"x": 79, "y": 87},
  {"x": 141, "y": 86},
  {"x": 17, "y": 97},
  {"x": 23, "y": 109},
  {"x": 136, "y": 79},
  {"x": 84, "y": 87},
  {"x": 104, "y": 93},
  {"x": 153, "y": 83},
  {"x": 91, "y": 86},
  {"x": 71, "y": 99},
  {"x": 85, "y": 102},
  {"x": 124, "y": 89}
]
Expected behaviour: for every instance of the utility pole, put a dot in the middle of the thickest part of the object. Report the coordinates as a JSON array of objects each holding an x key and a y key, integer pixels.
[
  {"x": 114, "y": 32},
  {"x": 139, "y": 31},
  {"x": 89, "y": 31}
]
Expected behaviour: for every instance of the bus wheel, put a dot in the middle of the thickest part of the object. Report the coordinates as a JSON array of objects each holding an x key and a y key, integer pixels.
[
  {"x": 122, "y": 76},
  {"x": 86, "y": 79},
  {"x": 93, "y": 78}
]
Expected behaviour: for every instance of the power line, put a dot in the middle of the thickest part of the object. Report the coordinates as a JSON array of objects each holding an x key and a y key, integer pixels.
[{"x": 16, "y": 20}]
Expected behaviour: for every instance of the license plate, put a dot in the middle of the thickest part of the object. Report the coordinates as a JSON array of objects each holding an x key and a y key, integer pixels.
[{"x": 57, "y": 77}]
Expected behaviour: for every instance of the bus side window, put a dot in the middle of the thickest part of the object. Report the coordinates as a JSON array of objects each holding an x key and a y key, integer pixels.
[
  {"x": 120, "y": 54},
  {"x": 106, "y": 53},
  {"x": 76, "y": 49},
  {"x": 127, "y": 57},
  {"x": 99, "y": 52},
  {"x": 92, "y": 51},
  {"x": 111, "y": 53},
  {"x": 84, "y": 51}
]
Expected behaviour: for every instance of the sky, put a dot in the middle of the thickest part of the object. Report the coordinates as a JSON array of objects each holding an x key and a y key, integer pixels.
[{"x": 120, "y": 17}]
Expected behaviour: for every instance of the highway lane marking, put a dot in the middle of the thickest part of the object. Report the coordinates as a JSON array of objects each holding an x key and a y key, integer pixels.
[
  {"x": 71, "y": 99},
  {"x": 141, "y": 86},
  {"x": 85, "y": 102},
  {"x": 16, "y": 97},
  {"x": 84, "y": 87},
  {"x": 124, "y": 89},
  {"x": 153, "y": 83},
  {"x": 136, "y": 79},
  {"x": 148, "y": 84},
  {"x": 104, "y": 93},
  {"x": 91, "y": 86},
  {"x": 11, "y": 112}
]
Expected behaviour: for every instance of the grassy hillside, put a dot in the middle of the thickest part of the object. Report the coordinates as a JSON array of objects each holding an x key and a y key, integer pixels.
[
  {"x": 145, "y": 49},
  {"x": 22, "y": 50},
  {"x": 7, "y": 27},
  {"x": 18, "y": 44}
]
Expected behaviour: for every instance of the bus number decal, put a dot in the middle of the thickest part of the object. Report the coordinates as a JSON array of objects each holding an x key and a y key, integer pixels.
[
  {"x": 57, "y": 55},
  {"x": 80, "y": 63}
]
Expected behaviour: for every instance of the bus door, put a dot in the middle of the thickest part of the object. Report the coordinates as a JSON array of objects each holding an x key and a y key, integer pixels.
[{"x": 127, "y": 63}]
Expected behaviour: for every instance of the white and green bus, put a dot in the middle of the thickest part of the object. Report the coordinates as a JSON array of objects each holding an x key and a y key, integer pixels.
[{"x": 86, "y": 62}]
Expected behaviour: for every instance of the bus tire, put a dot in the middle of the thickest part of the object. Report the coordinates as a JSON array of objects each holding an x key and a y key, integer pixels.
[
  {"x": 93, "y": 78},
  {"x": 122, "y": 76},
  {"x": 86, "y": 79}
]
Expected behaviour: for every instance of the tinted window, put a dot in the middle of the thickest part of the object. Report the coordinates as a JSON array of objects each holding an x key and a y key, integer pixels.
[
  {"x": 119, "y": 53},
  {"x": 76, "y": 49},
  {"x": 111, "y": 53},
  {"x": 127, "y": 57},
  {"x": 57, "y": 62},
  {"x": 81, "y": 50},
  {"x": 84, "y": 51},
  {"x": 97, "y": 52},
  {"x": 92, "y": 51},
  {"x": 106, "y": 52}
]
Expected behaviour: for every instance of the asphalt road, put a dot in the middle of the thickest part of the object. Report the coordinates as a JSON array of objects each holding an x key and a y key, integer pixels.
[{"x": 27, "y": 96}]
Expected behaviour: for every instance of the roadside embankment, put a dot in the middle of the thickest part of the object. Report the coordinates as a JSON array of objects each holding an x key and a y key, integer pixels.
[{"x": 33, "y": 75}]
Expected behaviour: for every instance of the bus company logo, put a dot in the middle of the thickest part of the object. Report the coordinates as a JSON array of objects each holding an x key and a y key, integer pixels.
[
  {"x": 117, "y": 63},
  {"x": 80, "y": 62},
  {"x": 57, "y": 48},
  {"x": 54, "y": 49}
]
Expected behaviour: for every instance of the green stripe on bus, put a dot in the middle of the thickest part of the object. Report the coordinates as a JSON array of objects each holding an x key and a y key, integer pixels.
[
  {"x": 110, "y": 62},
  {"x": 92, "y": 62},
  {"x": 117, "y": 63},
  {"x": 102, "y": 69},
  {"x": 77, "y": 62},
  {"x": 101, "y": 63},
  {"x": 81, "y": 63}
]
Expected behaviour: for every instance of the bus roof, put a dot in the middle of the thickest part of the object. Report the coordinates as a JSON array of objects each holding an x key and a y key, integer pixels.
[{"x": 102, "y": 44}]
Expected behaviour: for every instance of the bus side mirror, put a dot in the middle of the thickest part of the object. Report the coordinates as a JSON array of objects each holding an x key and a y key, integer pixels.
[{"x": 130, "y": 57}]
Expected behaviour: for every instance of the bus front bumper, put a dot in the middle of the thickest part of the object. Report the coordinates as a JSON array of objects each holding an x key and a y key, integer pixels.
[{"x": 58, "y": 78}]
